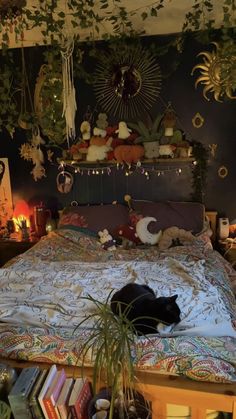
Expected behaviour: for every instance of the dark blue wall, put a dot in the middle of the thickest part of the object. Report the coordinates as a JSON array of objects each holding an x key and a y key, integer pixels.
[{"x": 178, "y": 88}]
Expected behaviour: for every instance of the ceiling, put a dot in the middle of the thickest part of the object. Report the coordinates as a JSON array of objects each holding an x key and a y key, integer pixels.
[{"x": 170, "y": 19}]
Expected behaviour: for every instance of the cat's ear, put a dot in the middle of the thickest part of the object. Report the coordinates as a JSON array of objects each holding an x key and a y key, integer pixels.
[{"x": 174, "y": 297}]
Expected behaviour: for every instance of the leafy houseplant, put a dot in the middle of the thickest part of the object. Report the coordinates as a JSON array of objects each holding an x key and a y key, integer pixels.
[
  {"x": 149, "y": 136},
  {"x": 110, "y": 344},
  {"x": 148, "y": 133}
]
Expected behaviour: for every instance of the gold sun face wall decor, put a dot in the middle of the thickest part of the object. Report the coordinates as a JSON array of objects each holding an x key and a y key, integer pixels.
[
  {"x": 217, "y": 73},
  {"x": 127, "y": 81}
]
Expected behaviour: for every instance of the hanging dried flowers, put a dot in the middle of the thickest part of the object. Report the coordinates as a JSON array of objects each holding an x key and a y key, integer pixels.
[{"x": 32, "y": 151}]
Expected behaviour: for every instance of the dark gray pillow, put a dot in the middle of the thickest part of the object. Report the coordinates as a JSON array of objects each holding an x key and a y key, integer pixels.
[
  {"x": 186, "y": 215},
  {"x": 95, "y": 217}
]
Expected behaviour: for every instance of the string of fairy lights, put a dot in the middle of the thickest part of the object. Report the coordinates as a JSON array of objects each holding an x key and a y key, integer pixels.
[{"x": 147, "y": 170}]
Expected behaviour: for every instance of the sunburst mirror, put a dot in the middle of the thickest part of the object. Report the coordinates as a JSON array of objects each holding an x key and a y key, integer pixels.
[
  {"x": 127, "y": 81},
  {"x": 217, "y": 73}
]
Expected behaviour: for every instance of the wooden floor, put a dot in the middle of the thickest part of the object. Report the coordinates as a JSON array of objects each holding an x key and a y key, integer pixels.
[{"x": 162, "y": 389}]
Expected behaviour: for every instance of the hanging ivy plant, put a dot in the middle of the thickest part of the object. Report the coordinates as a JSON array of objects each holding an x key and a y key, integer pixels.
[
  {"x": 199, "y": 171},
  {"x": 10, "y": 86}
]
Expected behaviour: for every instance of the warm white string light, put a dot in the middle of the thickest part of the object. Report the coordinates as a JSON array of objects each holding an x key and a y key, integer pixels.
[{"x": 127, "y": 169}]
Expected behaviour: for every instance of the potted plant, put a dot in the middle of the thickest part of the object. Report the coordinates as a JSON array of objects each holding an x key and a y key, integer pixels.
[
  {"x": 109, "y": 344},
  {"x": 149, "y": 136}
]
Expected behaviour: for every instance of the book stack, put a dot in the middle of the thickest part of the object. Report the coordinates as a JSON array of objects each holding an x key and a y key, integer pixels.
[{"x": 49, "y": 394}]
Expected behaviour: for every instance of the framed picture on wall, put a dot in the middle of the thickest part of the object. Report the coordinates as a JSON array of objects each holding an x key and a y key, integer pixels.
[{"x": 6, "y": 206}]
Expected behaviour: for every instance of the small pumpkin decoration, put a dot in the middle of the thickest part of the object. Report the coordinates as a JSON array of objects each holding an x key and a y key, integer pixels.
[
  {"x": 95, "y": 140},
  {"x": 128, "y": 153}
]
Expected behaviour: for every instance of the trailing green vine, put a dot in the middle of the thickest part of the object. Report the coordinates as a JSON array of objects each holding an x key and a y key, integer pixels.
[
  {"x": 10, "y": 87},
  {"x": 53, "y": 18},
  {"x": 199, "y": 171}
]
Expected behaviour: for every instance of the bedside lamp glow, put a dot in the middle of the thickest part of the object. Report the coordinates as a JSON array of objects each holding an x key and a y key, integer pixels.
[{"x": 21, "y": 215}]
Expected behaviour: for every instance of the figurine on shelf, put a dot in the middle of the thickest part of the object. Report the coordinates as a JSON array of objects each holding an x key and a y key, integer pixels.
[
  {"x": 85, "y": 129},
  {"x": 123, "y": 131}
]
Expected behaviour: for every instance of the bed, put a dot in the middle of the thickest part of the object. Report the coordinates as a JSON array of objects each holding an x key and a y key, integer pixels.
[{"x": 40, "y": 304}]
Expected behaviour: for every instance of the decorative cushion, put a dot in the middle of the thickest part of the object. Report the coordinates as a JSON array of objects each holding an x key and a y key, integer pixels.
[
  {"x": 144, "y": 233},
  {"x": 186, "y": 215},
  {"x": 95, "y": 217}
]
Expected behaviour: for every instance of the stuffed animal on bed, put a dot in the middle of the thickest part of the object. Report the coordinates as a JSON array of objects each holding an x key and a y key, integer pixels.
[
  {"x": 141, "y": 307},
  {"x": 106, "y": 240},
  {"x": 174, "y": 236}
]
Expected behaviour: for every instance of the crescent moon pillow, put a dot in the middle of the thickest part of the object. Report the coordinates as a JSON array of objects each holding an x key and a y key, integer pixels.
[{"x": 144, "y": 234}]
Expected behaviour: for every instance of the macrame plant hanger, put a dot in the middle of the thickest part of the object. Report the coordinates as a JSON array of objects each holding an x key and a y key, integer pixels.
[
  {"x": 25, "y": 89},
  {"x": 69, "y": 99}
]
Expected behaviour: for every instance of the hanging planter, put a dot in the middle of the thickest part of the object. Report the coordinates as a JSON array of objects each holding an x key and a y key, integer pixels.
[{"x": 26, "y": 116}]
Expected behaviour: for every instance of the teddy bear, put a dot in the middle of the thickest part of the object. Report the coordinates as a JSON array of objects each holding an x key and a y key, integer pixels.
[{"x": 106, "y": 240}]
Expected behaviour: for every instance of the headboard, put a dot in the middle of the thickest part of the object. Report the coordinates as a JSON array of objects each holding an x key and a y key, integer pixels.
[{"x": 187, "y": 215}]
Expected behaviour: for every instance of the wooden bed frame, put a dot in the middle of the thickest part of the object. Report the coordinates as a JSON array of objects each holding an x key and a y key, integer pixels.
[{"x": 161, "y": 390}]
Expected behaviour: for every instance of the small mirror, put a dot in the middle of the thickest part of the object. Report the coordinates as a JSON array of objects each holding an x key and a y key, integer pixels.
[{"x": 126, "y": 81}]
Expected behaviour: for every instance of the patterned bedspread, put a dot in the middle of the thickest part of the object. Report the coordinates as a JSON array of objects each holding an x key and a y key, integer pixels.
[{"x": 41, "y": 304}]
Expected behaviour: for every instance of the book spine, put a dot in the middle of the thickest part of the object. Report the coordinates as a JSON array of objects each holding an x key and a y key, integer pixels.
[
  {"x": 50, "y": 409},
  {"x": 58, "y": 386},
  {"x": 33, "y": 399},
  {"x": 20, "y": 410},
  {"x": 63, "y": 412},
  {"x": 36, "y": 411},
  {"x": 81, "y": 404},
  {"x": 73, "y": 412}
]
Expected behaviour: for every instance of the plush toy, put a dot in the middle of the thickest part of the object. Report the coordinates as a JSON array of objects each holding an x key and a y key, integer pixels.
[
  {"x": 85, "y": 129},
  {"x": 127, "y": 235},
  {"x": 99, "y": 152},
  {"x": 151, "y": 149},
  {"x": 123, "y": 131},
  {"x": 128, "y": 153},
  {"x": 167, "y": 150},
  {"x": 174, "y": 236},
  {"x": 99, "y": 132},
  {"x": 144, "y": 234},
  {"x": 101, "y": 122},
  {"x": 106, "y": 240}
]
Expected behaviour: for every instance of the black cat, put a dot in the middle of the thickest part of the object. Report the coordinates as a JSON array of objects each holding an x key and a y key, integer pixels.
[{"x": 134, "y": 300}]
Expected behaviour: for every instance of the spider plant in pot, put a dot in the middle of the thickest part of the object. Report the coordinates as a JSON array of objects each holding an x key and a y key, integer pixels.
[
  {"x": 149, "y": 136},
  {"x": 109, "y": 346}
]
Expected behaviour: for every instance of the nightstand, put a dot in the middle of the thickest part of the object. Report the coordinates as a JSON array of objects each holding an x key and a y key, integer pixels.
[
  {"x": 228, "y": 250},
  {"x": 11, "y": 248}
]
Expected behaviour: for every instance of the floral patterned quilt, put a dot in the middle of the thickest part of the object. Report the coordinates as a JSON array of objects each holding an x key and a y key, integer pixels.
[{"x": 41, "y": 304}]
